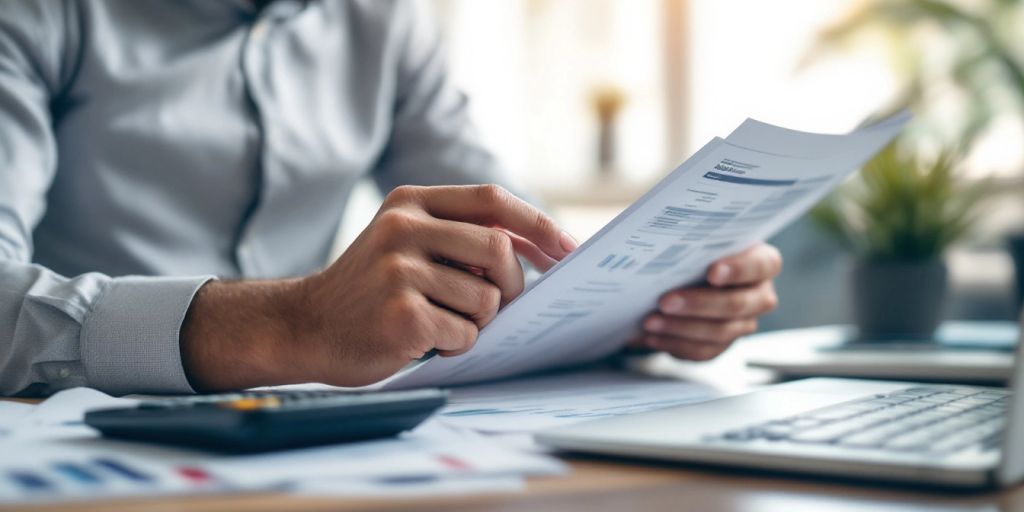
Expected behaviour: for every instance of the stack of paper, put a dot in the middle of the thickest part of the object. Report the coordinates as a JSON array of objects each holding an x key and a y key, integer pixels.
[
  {"x": 535, "y": 403},
  {"x": 48, "y": 454}
]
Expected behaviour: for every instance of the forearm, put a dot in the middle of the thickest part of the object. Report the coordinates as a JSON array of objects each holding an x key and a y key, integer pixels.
[{"x": 238, "y": 335}]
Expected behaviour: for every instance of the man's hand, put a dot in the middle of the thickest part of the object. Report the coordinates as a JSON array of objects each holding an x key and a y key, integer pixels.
[
  {"x": 699, "y": 323},
  {"x": 428, "y": 273}
]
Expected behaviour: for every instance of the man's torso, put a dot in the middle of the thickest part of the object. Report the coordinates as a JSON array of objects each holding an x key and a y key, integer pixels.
[{"x": 206, "y": 137}]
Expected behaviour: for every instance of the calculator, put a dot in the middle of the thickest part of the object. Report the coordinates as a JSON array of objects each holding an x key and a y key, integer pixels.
[{"x": 268, "y": 420}]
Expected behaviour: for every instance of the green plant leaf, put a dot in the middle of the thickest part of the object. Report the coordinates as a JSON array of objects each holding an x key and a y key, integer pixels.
[{"x": 904, "y": 208}]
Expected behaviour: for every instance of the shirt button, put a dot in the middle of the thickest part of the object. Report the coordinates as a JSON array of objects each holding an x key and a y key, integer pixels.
[{"x": 64, "y": 373}]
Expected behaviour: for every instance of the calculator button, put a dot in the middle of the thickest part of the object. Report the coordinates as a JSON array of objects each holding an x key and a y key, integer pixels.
[{"x": 250, "y": 404}]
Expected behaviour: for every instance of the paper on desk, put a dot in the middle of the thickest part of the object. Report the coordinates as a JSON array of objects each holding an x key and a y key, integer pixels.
[
  {"x": 431, "y": 451},
  {"x": 81, "y": 468},
  {"x": 70, "y": 406},
  {"x": 33, "y": 471},
  {"x": 11, "y": 413},
  {"x": 410, "y": 487},
  {"x": 730, "y": 195},
  {"x": 49, "y": 454},
  {"x": 75, "y": 463},
  {"x": 535, "y": 403},
  {"x": 58, "y": 416}
]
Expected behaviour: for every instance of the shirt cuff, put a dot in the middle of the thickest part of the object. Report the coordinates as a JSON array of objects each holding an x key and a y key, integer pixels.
[{"x": 129, "y": 340}]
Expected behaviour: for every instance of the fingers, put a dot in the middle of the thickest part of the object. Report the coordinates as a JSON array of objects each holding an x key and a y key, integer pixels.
[
  {"x": 486, "y": 248},
  {"x": 637, "y": 345},
  {"x": 452, "y": 333},
  {"x": 462, "y": 292},
  {"x": 702, "y": 330},
  {"x": 417, "y": 326},
  {"x": 759, "y": 263},
  {"x": 683, "y": 348},
  {"x": 720, "y": 303},
  {"x": 532, "y": 253},
  {"x": 700, "y": 323},
  {"x": 693, "y": 339},
  {"x": 490, "y": 205}
]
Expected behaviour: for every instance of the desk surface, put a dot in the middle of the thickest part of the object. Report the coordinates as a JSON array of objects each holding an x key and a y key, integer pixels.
[
  {"x": 613, "y": 485},
  {"x": 596, "y": 485}
]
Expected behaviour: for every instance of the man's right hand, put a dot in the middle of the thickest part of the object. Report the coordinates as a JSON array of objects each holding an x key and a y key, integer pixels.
[{"x": 428, "y": 273}]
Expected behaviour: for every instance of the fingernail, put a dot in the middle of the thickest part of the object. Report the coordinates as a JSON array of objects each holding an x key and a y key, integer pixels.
[
  {"x": 673, "y": 304},
  {"x": 722, "y": 273},
  {"x": 568, "y": 243},
  {"x": 654, "y": 324}
]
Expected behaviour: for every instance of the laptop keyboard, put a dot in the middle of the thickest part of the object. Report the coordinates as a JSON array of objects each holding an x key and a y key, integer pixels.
[{"x": 928, "y": 419}]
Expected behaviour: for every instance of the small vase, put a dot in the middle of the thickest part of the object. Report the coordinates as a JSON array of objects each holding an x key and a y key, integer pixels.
[
  {"x": 606, "y": 145},
  {"x": 898, "y": 300}
]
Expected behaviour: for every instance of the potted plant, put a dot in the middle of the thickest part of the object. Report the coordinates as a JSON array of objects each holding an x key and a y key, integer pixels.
[
  {"x": 970, "y": 52},
  {"x": 898, "y": 219}
]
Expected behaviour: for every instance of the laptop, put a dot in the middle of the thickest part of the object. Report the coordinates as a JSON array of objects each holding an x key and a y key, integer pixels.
[{"x": 935, "y": 434}]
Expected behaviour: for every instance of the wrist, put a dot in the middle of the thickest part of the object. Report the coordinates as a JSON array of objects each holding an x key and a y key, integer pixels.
[{"x": 240, "y": 334}]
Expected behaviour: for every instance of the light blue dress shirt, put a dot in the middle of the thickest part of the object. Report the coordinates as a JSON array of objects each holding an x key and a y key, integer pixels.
[{"x": 147, "y": 146}]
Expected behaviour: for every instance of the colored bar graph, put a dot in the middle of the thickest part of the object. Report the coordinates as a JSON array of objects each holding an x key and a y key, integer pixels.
[
  {"x": 620, "y": 262},
  {"x": 123, "y": 470},
  {"x": 29, "y": 481},
  {"x": 77, "y": 473}
]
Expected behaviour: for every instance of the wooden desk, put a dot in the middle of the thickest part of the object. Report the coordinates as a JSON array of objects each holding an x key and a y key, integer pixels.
[
  {"x": 602, "y": 484},
  {"x": 598, "y": 485}
]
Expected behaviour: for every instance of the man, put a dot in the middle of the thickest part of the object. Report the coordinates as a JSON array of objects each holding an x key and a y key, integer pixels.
[{"x": 172, "y": 175}]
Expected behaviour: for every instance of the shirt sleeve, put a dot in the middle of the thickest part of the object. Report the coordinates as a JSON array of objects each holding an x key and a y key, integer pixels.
[
  {"x": 433, "y": 139},
  {"x": 116, "y": 334}
]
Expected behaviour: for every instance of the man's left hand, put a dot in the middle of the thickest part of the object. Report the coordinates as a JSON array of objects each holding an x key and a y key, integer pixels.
[{"x": 699, "y": 323}]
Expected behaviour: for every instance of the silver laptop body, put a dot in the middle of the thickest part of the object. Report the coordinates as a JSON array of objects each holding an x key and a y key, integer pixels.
[{"x": 952, "y": 435}]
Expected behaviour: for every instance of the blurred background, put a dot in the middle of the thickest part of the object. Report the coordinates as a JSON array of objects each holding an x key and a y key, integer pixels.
[{"x": 589, "y": 102}]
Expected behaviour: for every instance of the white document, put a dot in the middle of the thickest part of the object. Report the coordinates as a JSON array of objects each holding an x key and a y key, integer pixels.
[
  {"x": 49, "y": 454},
  {"x": 536, "y": 403},
  {"x": 431, "y": 451},
  {"x": 68, "y": 407},
  {"x": 59, "y": 416},
  {"x": 409, "y": 488},
  {"x": 71, "y": 462},
  {"x": 11, "y": 414},
  {"x": 83, "y": 468},
  {"x": 730, "y": 195}
]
